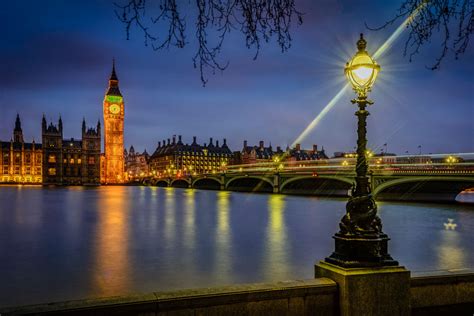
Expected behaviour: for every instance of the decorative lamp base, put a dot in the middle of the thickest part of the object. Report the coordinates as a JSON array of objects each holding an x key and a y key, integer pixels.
[{"x": 353, "y": 251}]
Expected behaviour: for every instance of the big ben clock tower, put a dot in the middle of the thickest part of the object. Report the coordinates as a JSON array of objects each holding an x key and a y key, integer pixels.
[{"x": 114, "y": 112}]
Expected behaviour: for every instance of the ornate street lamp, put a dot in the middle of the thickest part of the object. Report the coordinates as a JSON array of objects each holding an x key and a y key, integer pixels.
[{"x": 360, "y": 241}]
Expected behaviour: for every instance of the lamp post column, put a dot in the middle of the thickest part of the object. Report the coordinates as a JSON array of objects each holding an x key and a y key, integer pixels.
[{"x": 362, "y": 182}]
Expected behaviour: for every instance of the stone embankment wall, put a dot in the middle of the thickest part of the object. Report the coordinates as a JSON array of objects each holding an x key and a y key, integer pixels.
[{"x": 433, "y": 293}]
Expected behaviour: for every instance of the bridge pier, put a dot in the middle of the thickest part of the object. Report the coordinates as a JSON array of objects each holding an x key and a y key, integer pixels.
[
  {"x": 276, "y": 183},
  {"x": 222, "y": 187}
]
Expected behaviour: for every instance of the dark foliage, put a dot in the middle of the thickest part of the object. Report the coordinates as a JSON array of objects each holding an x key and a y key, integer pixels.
[
  {"x": 257, "y": 20},
  {"x": 453, "y": 20}
]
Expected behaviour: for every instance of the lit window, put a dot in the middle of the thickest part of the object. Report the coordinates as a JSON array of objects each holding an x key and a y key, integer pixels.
[
  {"x": 52, "y": 171},
  {"x": 52, "y": 158}
]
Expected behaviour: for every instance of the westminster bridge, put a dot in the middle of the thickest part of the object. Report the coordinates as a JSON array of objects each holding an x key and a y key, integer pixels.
[{"x": 440, "y": 182}]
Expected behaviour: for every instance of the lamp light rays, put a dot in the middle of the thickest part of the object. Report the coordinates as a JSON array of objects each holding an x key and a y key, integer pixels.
[
  {"x": 320, "y": 116},
  {"x": 380, "y": 51},
  {"x": 403, "y": 26}
]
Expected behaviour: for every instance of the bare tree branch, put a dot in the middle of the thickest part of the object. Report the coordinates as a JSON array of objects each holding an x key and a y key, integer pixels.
[
  {"x": 257, "y": 20},
  {"x": 452, "y": 19}
]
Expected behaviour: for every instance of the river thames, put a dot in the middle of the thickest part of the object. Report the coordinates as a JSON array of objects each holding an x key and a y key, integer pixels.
[{"x": 76, "y": 242}]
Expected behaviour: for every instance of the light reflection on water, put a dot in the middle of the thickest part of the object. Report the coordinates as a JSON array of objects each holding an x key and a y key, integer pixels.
[
  {"x": 73, "y": 243},
  {"x": 111, "y": 269},
  {"x": 223, "y": 235},
  {"x": 450, "y": 250},
  {"x": 276, "y": 249}
]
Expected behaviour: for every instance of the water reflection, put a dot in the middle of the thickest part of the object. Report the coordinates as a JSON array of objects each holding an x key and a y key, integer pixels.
[
  {"x": 189, "y": 219},
  {"x": 450, "y": 250},
  {"x": 170, "y": 216},
  {"x": 276, "y": 254},
  {"x": 223, "y": 260},
  {"x": 68, "y": 243},
  {"x": 111, "y": 268}
]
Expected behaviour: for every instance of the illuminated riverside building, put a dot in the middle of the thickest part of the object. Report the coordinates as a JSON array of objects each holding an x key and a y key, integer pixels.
[
  {"x": 114, "y": 112},
  {"x": 258, "y": 154},
  {"x": 176, "y": 158},
  {"x": 70, "y": 162},
  {"x": 261, "y": 154},
  {"x": 136, "y": 164},
  {"x": 20, "y": 161},
  {"x": 298, "y": 154}
]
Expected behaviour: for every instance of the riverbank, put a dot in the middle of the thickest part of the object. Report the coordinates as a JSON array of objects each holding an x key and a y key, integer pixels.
[{"x": 431, "y": 293}]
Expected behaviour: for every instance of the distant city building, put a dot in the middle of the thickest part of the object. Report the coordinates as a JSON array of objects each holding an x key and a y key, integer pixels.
[
  {"x": 114, "y": 112},
  {"x": 298, "y": 154},
  {"x": 380, "y": 158},
  {"x": 70, "y": 162},
  {"x": 261, "y": 154},
  {"x": 176, "y": 158},
  {"x": 385, "y": 158},
  {"x": 136, "y": 164},
  {"x": 20, "y": 162},
  {"x": 258, "y": 154}
]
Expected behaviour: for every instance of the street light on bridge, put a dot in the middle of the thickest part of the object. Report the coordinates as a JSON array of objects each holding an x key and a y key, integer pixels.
[{"x": 360, "y": 241}]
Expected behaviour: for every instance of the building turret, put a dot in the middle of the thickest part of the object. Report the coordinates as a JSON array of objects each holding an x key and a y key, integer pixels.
[
  {"x": 83, "y": 125},
  {"x": 60, "y": 125},
  {"x": 17, "y": 132},
  {"x": 43, "y": 124}
]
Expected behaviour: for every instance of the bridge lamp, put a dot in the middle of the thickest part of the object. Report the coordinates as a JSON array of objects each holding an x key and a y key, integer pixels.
[{"x": 360, "y": 242}]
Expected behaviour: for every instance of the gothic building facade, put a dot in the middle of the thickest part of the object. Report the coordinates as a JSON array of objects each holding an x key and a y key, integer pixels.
[
  {"x": 136, "y": 164},
  {"x": 70, "y": 161},
  {"x": 20, "y": 161}
]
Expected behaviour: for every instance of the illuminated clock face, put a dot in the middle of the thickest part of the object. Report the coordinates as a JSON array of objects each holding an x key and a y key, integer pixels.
[{"x": 114, "y": 108}]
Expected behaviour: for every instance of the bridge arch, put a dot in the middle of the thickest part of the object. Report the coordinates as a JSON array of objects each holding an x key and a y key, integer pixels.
[
  {"x": 320, "y": 185},
  {"x": 180, "y": 183},
  {"x": 161, "y": 183},
  {"x": 423, "y": 188},
  {"x": 209, "y": 183},
  {"x": 250, "y": 183}
]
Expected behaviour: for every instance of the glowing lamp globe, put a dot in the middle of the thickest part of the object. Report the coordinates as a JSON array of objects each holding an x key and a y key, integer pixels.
[{"x": 362, "y": 70}]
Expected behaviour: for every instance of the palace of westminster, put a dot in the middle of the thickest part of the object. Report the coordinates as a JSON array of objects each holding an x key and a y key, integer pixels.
[{"x": 60, "y": 161}]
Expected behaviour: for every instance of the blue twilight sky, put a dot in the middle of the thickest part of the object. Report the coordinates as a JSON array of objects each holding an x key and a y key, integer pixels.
[{"x": 56, "y": 59}]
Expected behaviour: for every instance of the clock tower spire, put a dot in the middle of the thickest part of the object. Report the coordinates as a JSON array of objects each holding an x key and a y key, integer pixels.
[{"x": 114, "y": 112}]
